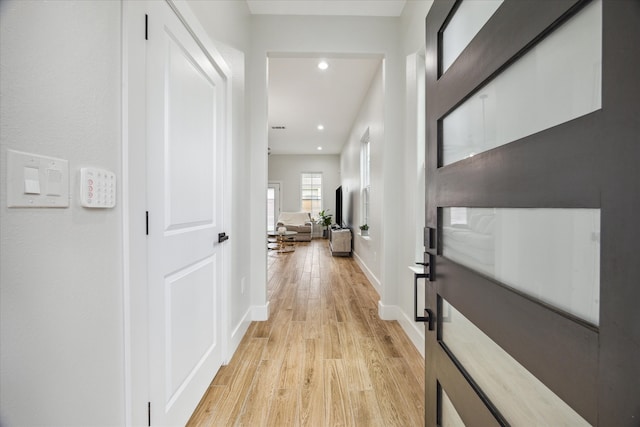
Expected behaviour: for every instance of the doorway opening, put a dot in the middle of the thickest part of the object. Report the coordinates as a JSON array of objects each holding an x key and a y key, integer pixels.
[{"x": 273, "y": 205}]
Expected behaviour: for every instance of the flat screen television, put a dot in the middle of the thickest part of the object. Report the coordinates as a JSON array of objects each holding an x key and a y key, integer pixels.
[{"x": 339, "y": 206}]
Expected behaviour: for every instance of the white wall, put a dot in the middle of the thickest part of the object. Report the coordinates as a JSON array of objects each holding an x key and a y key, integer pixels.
[
  {"x": 286, "y": 169},
  {"x": 412, "y": 24},
  {"x": 228, "y": 23},
  {"x": 371, "y": 116},
  {"x": 61, "y": 302},
  {"x": 413, "y": 219},
  {"x": 64, "y": 302}
]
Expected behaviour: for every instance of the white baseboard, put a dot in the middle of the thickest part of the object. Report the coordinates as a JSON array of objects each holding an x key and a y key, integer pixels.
[
  {"x": 372, "y": 278},
  {"x": 260, "y": 313},
  {"x": 237, "y": 334},
  {"x": 415, "y": 331}
]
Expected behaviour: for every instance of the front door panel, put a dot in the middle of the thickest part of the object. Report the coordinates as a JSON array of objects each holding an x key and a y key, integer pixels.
[{"x": 529, "y": 188}]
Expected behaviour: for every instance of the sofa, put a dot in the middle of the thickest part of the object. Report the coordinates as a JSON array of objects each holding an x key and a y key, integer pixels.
[{"x": 297, "y": 221}]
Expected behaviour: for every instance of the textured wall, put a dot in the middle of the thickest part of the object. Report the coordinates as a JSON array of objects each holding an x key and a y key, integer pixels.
[{"x": 61, "y": 286}]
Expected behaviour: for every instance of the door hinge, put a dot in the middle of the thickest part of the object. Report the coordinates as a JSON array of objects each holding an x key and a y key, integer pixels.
[
  {"x": 147, "y": 222},
  {"x": 146, "y": 26},
  {"x": 149, "y": 413}
]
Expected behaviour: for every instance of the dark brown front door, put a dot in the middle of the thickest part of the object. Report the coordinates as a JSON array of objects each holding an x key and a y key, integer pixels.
[{"x": 533, "y": 200}]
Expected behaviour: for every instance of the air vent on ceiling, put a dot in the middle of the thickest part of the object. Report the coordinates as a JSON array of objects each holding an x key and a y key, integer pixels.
[{"x": 278, "y": 127}]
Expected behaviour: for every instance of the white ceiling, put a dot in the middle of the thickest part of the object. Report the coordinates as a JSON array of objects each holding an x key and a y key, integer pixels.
[
  {"x": 327, "y": 7},
  {"x": 301, "y": 96}
]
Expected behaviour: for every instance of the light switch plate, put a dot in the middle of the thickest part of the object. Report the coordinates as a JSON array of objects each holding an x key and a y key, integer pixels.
[
  {"x": 35, "y": 181},
  {"x": 97, "y": 188}
]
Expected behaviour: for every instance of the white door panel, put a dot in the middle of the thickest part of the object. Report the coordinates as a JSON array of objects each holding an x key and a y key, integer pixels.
[
  {"x": 190, "y": 173},
  {"x": 190, "y": 332},
  {"x": 185, "y": 135}
]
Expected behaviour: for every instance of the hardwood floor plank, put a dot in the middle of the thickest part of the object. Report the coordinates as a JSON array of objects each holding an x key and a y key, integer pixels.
[
  {"x": 409, "y": 352},
  {"x": 262, "y": 330},
  {"x": 323, "y": 358},
  {"x": 331, "y": 337},
  {"x": 387, "y": 392},
  {"x": 365, "y": 408},
  {"x": 381, "y": 333},
  {"x": 412, "y": 392},
  {"x": 312, "y": 387},
  {"x": 361, "y": 326},
  {"x": 328, "y": 309},
  {"x": 337, "y": 403},
  {"x": 300, "y": 306},
  {"x": 291, "y": 369},
  {"x": 314, "y": 319},
  {"x": 233, "y": 401},
  {"x": 277, "y": 341},
  {"x": 262, "y": 392},
  {"x": 284, "y": 410},
  {"x": 206, "y": 410}
]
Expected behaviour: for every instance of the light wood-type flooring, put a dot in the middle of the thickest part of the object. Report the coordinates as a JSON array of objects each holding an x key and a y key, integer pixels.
[{"x": 324, "y": 358}]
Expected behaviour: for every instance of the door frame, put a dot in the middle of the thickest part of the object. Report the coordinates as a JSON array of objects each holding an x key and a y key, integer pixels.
[
  {"x": 603, "y": 373},
  {"x": 133, "y": 187},
  {"x": 279, "y": 198}
]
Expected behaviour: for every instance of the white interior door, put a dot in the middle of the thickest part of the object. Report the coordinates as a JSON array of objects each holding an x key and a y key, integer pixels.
[{"x": 185, "y": 132}]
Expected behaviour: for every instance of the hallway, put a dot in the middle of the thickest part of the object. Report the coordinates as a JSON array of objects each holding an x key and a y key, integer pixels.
[{"x": 323, "y": 358}]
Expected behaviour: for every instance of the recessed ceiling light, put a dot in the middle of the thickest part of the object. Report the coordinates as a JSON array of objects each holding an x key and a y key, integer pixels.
[
  {"x": 319, "y": 148},
  {"x": 320, "y": 127},
  {"x": 323, "y": 65}
]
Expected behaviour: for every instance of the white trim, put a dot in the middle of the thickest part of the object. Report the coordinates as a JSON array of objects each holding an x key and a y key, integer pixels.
[
  {"x": 254, "y": 313},
  {"x": 388, "y": 312},
  {"x": 135, "y": 333},
  {"x": 372, "y": 278},
  {"x": 192, "y": 24},
  {"x": 273, "y": 184},
  {"x": 260, "y": 313},
  {"x": 237, "y": 334},
  {"x": 126, "y": 221}
]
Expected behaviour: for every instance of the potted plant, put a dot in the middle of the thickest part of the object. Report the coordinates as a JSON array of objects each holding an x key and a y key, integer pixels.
[
  {"x": 324, "y": 219},
  {"x": 364, "y": 230}
]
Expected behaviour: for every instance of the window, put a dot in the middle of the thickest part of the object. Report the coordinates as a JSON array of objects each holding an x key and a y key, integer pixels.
[
  {"x": 311, "y": 193},
  {"x": 365, "y": 177}
]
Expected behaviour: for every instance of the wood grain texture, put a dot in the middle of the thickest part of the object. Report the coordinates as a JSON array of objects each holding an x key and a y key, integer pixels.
[{"x": 324, "y": 357}]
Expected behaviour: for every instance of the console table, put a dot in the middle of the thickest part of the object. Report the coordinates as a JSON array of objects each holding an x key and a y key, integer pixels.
[{"x": 340, "y": 241}]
